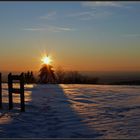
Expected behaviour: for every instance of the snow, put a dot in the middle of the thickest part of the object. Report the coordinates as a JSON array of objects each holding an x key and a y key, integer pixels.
[{"x": 73, "y": 111}]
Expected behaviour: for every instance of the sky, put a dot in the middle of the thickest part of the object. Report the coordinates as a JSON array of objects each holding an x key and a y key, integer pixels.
[{"x": 82, "y": 36}]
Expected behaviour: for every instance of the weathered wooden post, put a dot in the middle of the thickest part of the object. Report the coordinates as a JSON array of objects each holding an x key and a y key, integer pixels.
[
  {"x": 22, "y": 92},
  {"x": 0, "y": 92},
  {"x": 15, "y": 90},
  {"x": 10, "y": 91}
]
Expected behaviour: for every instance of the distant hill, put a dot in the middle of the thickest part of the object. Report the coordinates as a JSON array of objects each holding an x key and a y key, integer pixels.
[
  {"x": 133, "y": 82},
  {"x": 114, "y": 77}
]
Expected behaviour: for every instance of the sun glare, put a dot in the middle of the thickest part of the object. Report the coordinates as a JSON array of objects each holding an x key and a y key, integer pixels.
[{"x": 46, "y": 60}]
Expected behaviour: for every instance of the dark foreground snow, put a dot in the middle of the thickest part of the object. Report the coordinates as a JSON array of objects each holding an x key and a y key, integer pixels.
[{"x": 73, "y": 111}]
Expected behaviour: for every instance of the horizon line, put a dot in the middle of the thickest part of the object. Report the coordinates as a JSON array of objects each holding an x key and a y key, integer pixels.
[{"x": 75, "y": 70}]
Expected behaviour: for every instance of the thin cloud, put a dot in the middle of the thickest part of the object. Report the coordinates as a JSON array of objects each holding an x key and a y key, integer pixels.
[
  {"x": 49, "y": 28},
  {"x": 80, "y": 14},
  {"x": 88, "y": 15},
  {"x": 58, "y": 29},
  {"x": 49, "y": 15},
  {"x": 105, "y": 4},
  {"x": 33, "y": 29}
]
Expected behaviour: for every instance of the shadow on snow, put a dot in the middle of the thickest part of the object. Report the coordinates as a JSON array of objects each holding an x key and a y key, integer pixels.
[{"x": 48, "y": 114}]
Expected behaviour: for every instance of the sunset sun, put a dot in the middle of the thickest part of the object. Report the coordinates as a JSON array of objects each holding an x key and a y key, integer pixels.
[{"x": 46, "y": 60}]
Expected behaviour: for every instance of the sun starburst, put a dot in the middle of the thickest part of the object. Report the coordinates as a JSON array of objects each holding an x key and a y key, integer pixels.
[{"x": 46, "y": 60}]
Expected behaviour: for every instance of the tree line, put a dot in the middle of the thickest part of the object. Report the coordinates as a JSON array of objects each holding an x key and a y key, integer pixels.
[
  {"x": 48, "y": 75},
  {"x": 74, "y": 77}
]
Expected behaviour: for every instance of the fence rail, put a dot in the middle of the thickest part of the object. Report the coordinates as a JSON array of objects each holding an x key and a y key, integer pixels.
[{"x": 12, "y": 90}]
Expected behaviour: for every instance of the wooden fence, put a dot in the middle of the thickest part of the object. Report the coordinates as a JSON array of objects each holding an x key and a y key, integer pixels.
[{"x": 11, "y": 90}]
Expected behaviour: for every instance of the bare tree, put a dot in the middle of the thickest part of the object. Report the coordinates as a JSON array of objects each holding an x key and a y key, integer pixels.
[{"x": 60, "y": 74}]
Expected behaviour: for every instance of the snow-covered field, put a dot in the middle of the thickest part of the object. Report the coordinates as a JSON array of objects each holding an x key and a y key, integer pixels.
[{"x": 73, "y": 111}]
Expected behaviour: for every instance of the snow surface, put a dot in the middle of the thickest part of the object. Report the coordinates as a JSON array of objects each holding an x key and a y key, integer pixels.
[{"x": 73, "y": 111}]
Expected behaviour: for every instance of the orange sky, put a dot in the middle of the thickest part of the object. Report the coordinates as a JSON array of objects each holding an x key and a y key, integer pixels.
[{"x": 76, "y": 38}]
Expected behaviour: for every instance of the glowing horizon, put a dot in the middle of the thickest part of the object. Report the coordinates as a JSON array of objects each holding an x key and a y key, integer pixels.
[{"x": 82, "y": 36}]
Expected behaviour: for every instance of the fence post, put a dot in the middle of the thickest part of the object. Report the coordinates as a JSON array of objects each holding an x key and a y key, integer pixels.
[
  {"x": 10, "y": 91},
  {"x": 22, "y": 92},
  {"x": 15, "y": 90},
  {"x": 0, "y": 92}
]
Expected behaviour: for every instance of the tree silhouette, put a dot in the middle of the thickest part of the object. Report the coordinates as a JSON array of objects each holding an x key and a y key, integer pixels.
[
  {"x": 29, "y": 77},
  {"x": 47, "y": 74},
  {"x": 60, "y": 75}
]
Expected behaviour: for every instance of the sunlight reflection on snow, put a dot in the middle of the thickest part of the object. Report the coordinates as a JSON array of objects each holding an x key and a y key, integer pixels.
[{"x": 112, "y": 110}]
